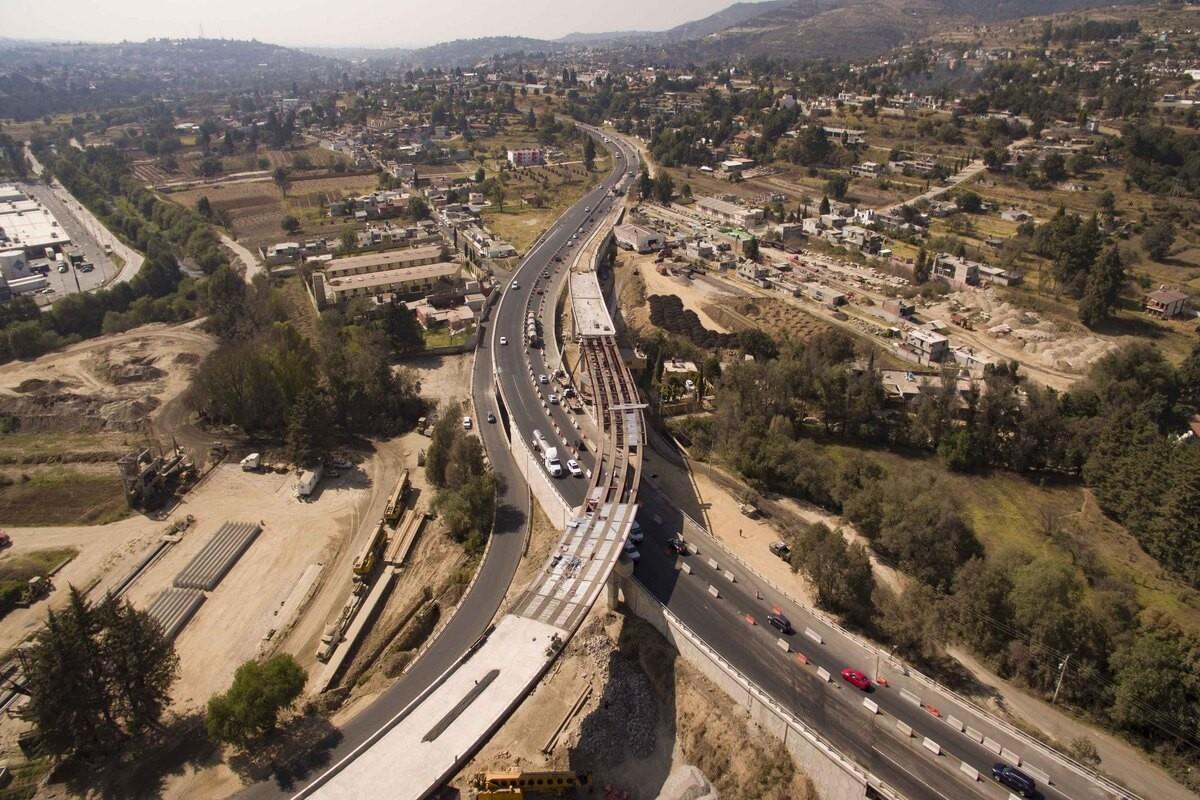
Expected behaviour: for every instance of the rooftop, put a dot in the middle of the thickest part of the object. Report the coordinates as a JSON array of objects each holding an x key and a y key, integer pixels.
[
  {"x": 384, "y": 259},
  {"x": 366, "y": 280}
]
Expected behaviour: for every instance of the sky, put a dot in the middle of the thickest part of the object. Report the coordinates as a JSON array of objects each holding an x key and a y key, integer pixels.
[{"x": 317, "y": 23}]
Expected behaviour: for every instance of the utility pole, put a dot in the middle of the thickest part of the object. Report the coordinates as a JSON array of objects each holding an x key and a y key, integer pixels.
[{"x": 1062, "y": 671}]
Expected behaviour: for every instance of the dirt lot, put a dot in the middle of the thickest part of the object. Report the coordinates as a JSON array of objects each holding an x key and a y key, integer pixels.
[
  {"x": 697, "y": 295},
  {"x": 649, "y": 718},
  {"x": 780, "y": 319},
  {"x": 75, "y": 411},
  {"x": 258, "y": 207}
]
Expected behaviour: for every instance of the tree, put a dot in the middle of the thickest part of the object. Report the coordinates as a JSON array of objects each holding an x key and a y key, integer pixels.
[
  {"x": 308, "y": 424},
  {"x": 645, "y": 184},
  {"x": 403, "y": 330},
  {"x": 251, "y": 706},
  {"x": 837, "y": 186},
  {"x": 921, "y": 267},
  {"x": 1103, "y": 288},
  {"x": 969, "y": 202},
  {"x": 823, "y": 209},
  {"x": 290, "y": 224},
  {"x": 98, "y": 677},
  {"x": 282, "y": 179},
  {"x": 589, "y": 153},
  {"x": 1054, "y": 168},
  {"x": 750, "y": 249},
  {"x": 418, "y": 208},
  {"x": 841, "y": 573},
  {"x": 437, "y": 457},
  {"x": 1158, "y": 238},
  {"x": 531, "y": 119},
  {"x": 480, "y": 175},
  {"x": 981, "y": 610},
  {"x": 664, "y": 187},
  {"x": 203, "y": 207},
  {"x": 210, "y": 166}
]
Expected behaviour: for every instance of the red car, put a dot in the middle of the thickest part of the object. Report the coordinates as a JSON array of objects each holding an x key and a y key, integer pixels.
[{"x": 856, "y": 679}]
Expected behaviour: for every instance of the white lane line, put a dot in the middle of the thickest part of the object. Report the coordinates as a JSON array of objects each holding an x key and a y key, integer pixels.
[{"x": 906, "y": 770}]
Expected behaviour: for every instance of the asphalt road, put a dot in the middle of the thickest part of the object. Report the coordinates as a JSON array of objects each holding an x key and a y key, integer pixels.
[
  {"x": 525, "y": 413},
  {"x": 480, "y": 604}
]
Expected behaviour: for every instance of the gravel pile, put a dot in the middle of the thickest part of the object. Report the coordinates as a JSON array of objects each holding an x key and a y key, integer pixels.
[{"x": 623, "y": 722}]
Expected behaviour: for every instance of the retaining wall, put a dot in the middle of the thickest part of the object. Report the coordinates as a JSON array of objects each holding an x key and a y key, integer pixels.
[
  {"x": 831, "y": 774},
  {"x": 540, "y": 483}
]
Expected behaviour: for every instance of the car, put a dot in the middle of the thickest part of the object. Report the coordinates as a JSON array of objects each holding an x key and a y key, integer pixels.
[
  {"x": 780, "y": 623},
  {"x": 491, "y": 417},
  {"x": 574, "y": 468},
  {"x": 856, "y": 679},
  {"x": 636, "y": 535},
  {"x": 1014, "y": 779},
  {"x": 546, "y": 274},
  {"x": 342, "y": 463},
  {"x": 542, "y": 379},
  {"x": 503, "y": 340},
  {"x": 587, "y": 208},
  {"x": 553, "y": 398},
  {"x": 633, "y": 555},
  {"x": 86, "y": 267},
  {"x": 514, "y": 285},
  {"x": 62, "y": 267},
  {"x": 466, "y": 423},
  {"x": 677, "y": 545}
]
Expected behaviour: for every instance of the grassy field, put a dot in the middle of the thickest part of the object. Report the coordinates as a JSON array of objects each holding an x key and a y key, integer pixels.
[
  {"x": 1058, "y": 520},
  {"x": 443, "y": 338},
  {"x": 20, "y": 567},
  {"x": 46, "y": 446},
  {"x": 80, "y": 494},
  {"x": 520, "y": 224}
]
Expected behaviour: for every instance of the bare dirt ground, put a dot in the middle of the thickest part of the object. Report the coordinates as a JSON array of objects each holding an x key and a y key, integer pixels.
[
  {"x": 1064, "y": 351},
  {"x": 777, "y": 317},
  {"x": 696, "y": 295},
  {"x": 649, "y": 717}
]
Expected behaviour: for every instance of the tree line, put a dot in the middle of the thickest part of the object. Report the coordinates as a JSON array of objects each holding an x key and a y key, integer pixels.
[{"x": 466, "y": 489}]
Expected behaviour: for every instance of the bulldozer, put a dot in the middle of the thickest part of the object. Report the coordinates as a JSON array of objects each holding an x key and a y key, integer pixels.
[{"x": 516, "y": 784}]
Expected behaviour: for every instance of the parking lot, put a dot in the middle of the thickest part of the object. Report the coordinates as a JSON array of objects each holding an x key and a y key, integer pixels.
[{"x": 83, "y": 240}]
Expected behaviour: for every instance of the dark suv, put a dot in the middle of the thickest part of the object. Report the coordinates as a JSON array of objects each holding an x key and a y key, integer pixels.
[
  {"x": 780, "y": 623},
  {"x": 1014, "y": 779}
]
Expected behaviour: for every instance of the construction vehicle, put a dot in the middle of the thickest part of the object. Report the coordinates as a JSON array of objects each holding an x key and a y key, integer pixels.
[
  {"x": 38, "y": 587},
  {"x": 364, "y": 562},
  {"x": 396, "y": 503},
  {"x": 522, "y": 783}
]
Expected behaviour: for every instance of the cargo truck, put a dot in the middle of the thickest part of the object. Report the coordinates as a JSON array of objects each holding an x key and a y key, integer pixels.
[
  {"x": 308, "y": 481},
  {"x": 553, "y": 465}
]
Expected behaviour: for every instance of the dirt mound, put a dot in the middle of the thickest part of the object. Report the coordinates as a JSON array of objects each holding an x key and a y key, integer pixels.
[
  {"x": 136, "y": 368},
  {"x": 40, "y": 385},
  {"x": 186, "y": 359}
]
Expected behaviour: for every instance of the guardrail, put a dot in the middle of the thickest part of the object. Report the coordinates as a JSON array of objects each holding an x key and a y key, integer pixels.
[{"x": 1061, "y": 758}]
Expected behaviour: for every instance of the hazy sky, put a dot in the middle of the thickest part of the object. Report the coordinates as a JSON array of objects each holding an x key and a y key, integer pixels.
[{"x": 369, "y": 23}]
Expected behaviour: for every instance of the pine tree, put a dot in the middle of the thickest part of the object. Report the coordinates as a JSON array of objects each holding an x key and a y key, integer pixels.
[
  {"x": 823, "y": 209},
  {"x": 1103, "y": 288},
  {"x": 921, "y": 267}
]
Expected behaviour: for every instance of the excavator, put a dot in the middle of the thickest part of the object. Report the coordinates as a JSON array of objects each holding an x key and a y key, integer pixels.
[{"x": 517, "y": 784}]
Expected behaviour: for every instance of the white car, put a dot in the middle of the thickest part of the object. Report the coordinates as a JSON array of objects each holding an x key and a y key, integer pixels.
[
  {"x": 574, "y": 468},
  {"x": 503, "y": 340},
  {"x": 466, "y": 423},
  {"x": 542, "y": 379},
  {"x": 553, "y": 398},
  {"x": 514, "y": 285}
]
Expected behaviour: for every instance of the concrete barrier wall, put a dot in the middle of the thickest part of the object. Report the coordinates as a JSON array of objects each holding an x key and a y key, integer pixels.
[
  {"x": 540, "y": 483},
  {"x": 832, "y": 774}
]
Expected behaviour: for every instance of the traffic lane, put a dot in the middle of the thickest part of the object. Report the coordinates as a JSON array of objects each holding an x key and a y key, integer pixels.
[
  {"x": 745, "y": 593},
  {"x": 835, "y": 712}
]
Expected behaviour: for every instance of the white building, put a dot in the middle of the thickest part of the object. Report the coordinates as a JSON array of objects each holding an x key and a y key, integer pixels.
[
  {"x": 528, "y": 157},
  {"x": 637, "y": 238}
]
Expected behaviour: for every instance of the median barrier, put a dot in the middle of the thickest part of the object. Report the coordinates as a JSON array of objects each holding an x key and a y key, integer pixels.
[
  {"x": 1041, "y": 776},
  {"x": 801, "y": 659},
  {"x": 713, "y": 591},
  {"x": 712, "y": 563},
  {"x": 904, "y": 728},
  {"x": 992, "y": 745},
  {"x": 974, "y": 735},
  {"x": 811, "y": 634},
  {"x": 751, "y": 620},
  {"x": 729, "y": 577},
  {"x": 1010, "y": 756},
  {"x": 954, "y": 722},
  {"x": 685, "y": 568},
  {"x": 932, "y": 746},
  {"x": 969, "y": 771},
  {"x": 870, "y": 705},
  {"x": 783, "y": 645},
  {"x": 824, "y": 675},
  {"x": 910, "y": 697}
]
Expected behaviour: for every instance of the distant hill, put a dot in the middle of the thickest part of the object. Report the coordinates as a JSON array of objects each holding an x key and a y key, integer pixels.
[
  {"x": 810, "y": 29},
  {"x": 725, "y": 18},
  {"x": 466, "y": 52}
]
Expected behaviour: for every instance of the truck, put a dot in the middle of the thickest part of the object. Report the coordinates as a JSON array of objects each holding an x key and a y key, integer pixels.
[
  {"x": 539, "y": 442},
  {"x": 252, "y": 462},
  {"x": 553, "y": 465},
  {"x": 308, "y": 481}
]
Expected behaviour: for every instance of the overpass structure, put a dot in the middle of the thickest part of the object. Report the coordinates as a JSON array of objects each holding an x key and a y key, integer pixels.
[
  {"x": 430, "y": 739},
  {"x": 894, "y": 745}
]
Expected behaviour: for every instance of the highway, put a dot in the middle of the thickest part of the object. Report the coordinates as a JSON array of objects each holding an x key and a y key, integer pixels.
[{"x": 480, "y": 605}]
